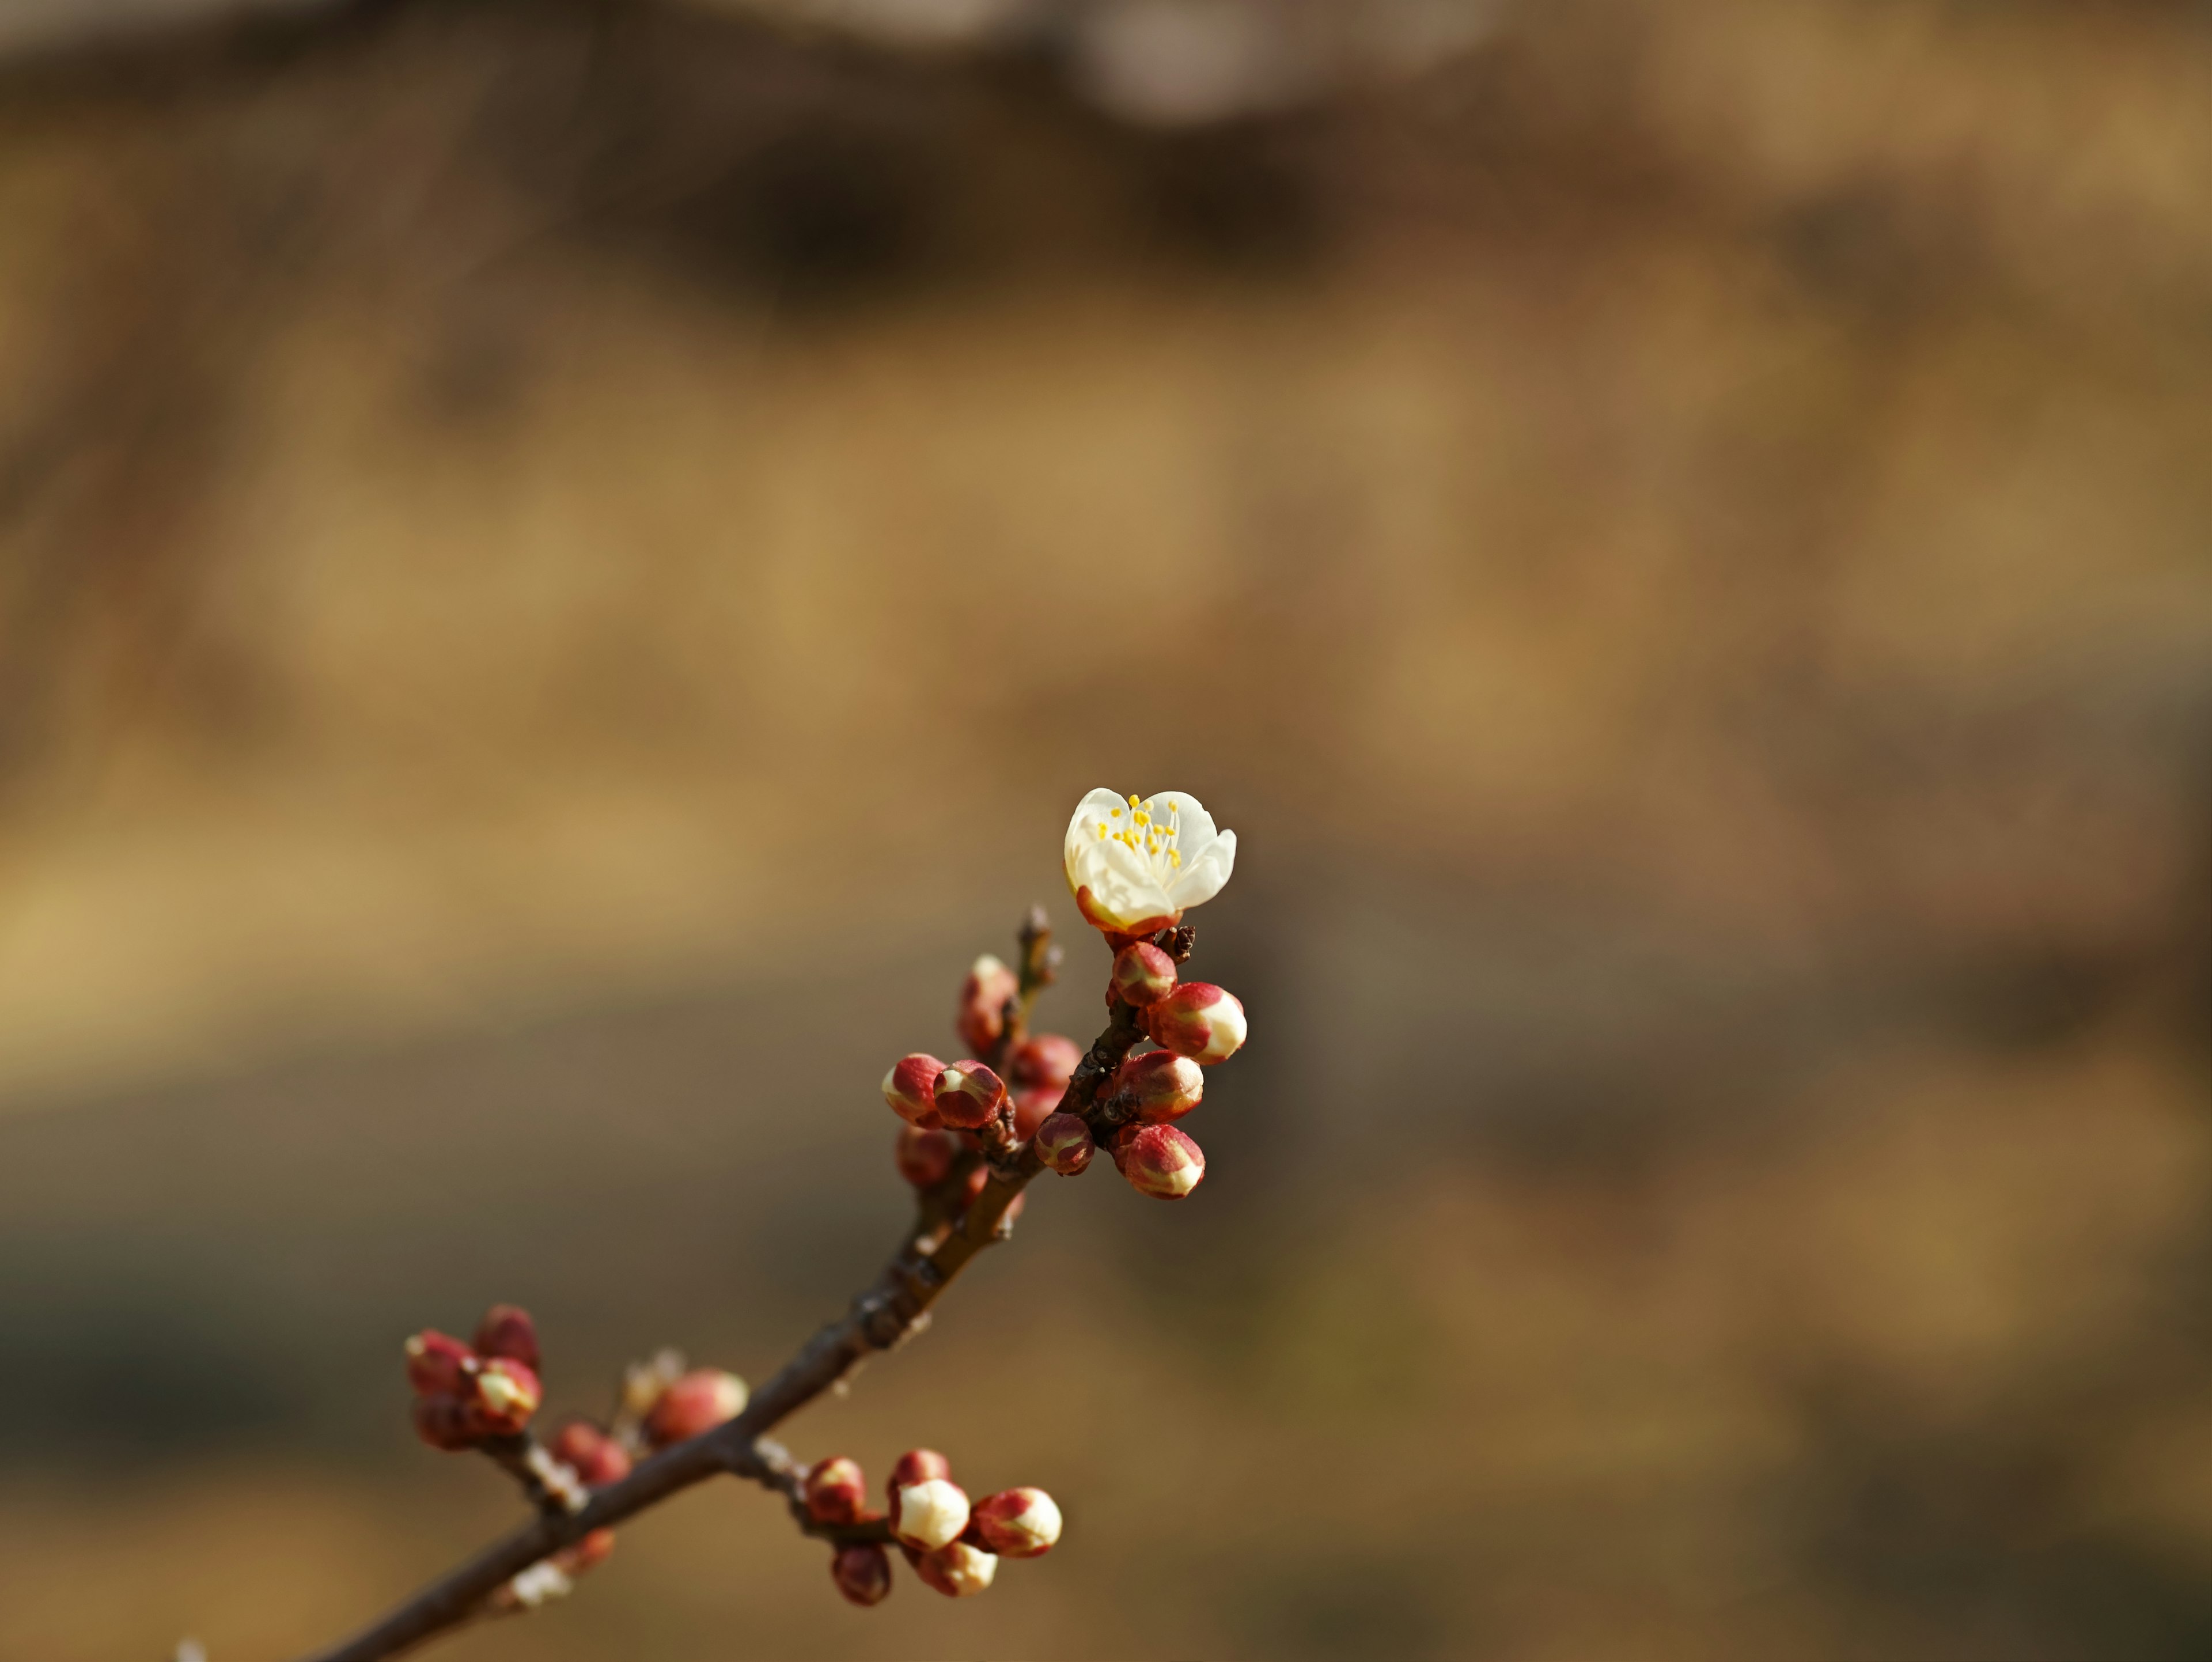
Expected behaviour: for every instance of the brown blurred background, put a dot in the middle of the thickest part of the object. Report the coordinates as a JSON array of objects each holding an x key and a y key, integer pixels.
[{"x": 562, "y": 565}]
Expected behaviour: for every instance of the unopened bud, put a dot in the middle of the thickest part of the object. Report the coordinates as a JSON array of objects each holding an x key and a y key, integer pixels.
[
  {"x": 507, "y": 1331},
  {"x": 643, "y": 1382},
  {"x": 928, "y": 1514},
  {"x": 863, "y": 1573},
  {"x": 916, "y": 1466},
  {"x": 444, "y": 1422},
  {"x": 1017, "y": 1523},
  {"x": 597, "y": 1458},
  {"x": 506, "y": 1394},
  {"x": 1032, "y": 1106},
  {"x": 1162, "y": 1085},
  {"x": 836, "y": 1490},
  {"x": 1143, "y": 974},
  {"x": 983, "y": 996},
  {"x": 1117, "y": 1148},
  {"x": 1161, "y": 1162},
  {"x": 977, "y": 1177},
  {"x": 909, "y": 1088},
  {"x": 1199, "y": 1021},
  {"x": 698, "y": 1401},
  {"x": 588, "y": 1553},
  {"x": 1064, "y": 1143},
  {"x": 957, "y": 1570},
  {"x": 969, "y": 1095},
  {"x": 1046, "y": 1061},
  {"x": 438, "y": 1364},
  {"x": 923, "y": 1157}
]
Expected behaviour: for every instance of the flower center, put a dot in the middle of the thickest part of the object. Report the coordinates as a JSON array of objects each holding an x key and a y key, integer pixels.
[{"x": 1152, "y": 828}]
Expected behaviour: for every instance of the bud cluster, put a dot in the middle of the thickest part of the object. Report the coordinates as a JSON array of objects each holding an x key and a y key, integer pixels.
[
  {"x": 467, "y": 1394},
  {"x": 953, "y": 1546},
  {"x": 1194, "y": 1024}
]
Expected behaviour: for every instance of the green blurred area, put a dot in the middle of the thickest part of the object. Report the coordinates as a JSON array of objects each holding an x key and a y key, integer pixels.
[{"x": 561, "y": 568}]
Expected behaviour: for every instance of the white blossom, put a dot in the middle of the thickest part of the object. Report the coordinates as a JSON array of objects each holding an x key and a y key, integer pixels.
[{"x": 1135, "y": 865}]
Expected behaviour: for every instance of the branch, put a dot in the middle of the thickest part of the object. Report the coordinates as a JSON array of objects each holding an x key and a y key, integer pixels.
[{"x": 892, "y": 1308}]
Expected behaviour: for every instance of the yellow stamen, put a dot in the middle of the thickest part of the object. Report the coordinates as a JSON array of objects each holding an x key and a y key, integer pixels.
[{"x": 1133, "y": 803}]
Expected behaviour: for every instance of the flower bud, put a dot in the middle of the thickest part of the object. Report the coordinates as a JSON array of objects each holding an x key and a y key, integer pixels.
[
  {"x": 982, "y": 1018},
  {"x": 908, "y": 1086},
  {"x": 1162, "y": 1085},
  {"x": 928, "y": 1514},
  {"x": 1031, "y": 1107},
  {"x": 1199, "y": 1021},
  {"x": 444, "y": 1422},
  {"x": 1161, "y": 1162},
  {"x": 969, "y": 1095},
  {"x": 916, "y": 1466},
  {"x": 585, "y": 1554},
  {"x": 977, "y": 1177},
  {"x": 506, "y": 1394},
  {"x": 438, "y": 1364},
  {"x": 1143, "y": 975},
  {"x": 507, "y": 1331},
  {"x": 1045, "y": 1062},
  {"x": 836, "y": 1490},
  {"x": 698, "y": 1401},
  {"x": 863, "y": 1573},
  {"x": 1017, "y": 1523},
  {"x": 957, "y": 1569},
  {"x": 923, "y": 1157},
  {"x": 597, "y": 1458},
  {"x": 1064, "y": 1144}
]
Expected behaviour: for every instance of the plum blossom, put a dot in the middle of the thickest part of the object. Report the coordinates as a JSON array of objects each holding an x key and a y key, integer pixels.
[{"x": 1135, "y": 865}]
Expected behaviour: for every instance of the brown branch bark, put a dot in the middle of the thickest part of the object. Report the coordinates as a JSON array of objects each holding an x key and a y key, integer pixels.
[{"x": 889, "y": 1311}]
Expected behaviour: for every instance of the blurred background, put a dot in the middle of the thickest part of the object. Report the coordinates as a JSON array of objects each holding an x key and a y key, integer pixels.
[{"x": 563, "y": 563}]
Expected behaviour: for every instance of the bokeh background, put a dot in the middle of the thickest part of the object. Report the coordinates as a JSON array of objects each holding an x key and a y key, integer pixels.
[{"x": 562, "y": 565}]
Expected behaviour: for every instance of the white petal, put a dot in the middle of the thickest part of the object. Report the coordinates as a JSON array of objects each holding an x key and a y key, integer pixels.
[
  {"x": 1197, "y": 824},
  {"x": 1122, "y": 881},
  {"x": 1201, "y": 878},
  {"x": 1098, "y": 805}
]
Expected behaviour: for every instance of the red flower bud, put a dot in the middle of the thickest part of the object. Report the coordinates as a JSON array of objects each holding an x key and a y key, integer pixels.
[
  {"x": 908, "y": 1086},
  {"x": 916, "y": 1466},
  {"x": 977, "y": 1177},
  {"x": 969, "y": 1095},
  {"x": 837, "y": 1491},
  {"x": 863, "y": 1573},
  {"x": 1143, "y": 974},
  {"x": 928, "y": 1514},
  {"x": 1017, "y": 1523},
  {"x": 698, "y": 1401},
  {"x": 438, "y": 1365},
  {"x": 444, "y": 1422},
  {"x": 1064, "y": 1144},
  {"x": 506, "y": 1394},
  {"x": 1199, "y": 1021},
  {"x": 585, "y": 1554},
  {"x": 1032, "y": 1106},
  {"x": 983, "y": 996},
  {"x": 1161, "y": 1162},
  {"x": 597, "y": 1458},
  {"x": 957, "y": 1570},
  {"x": 1162, "y": 1085},
  {"x": 1045, "y": 1062},
  {"x": 507, "y": 1331},
  {"x": 925, "y": 1157}
]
